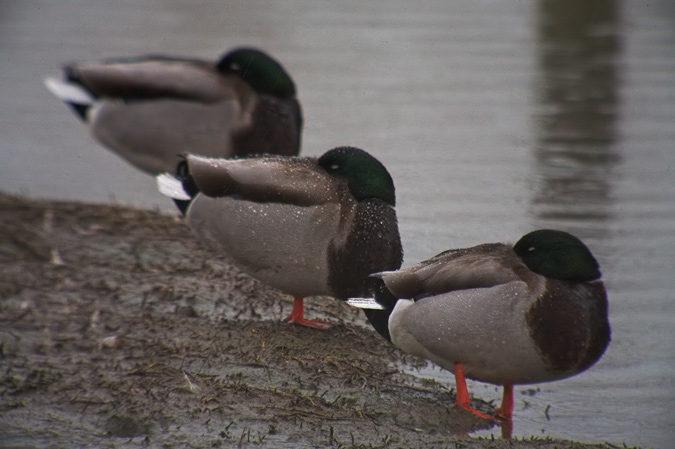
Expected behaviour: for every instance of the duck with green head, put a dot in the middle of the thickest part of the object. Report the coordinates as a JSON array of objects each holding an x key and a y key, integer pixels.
[
  {"x": 306, "y": 226},
  {"x": 532, "y": 312},
  {"x": 150, "y": 110}
]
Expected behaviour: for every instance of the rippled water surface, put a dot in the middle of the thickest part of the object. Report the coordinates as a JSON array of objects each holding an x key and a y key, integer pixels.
[{"x": 494, "y": 118}]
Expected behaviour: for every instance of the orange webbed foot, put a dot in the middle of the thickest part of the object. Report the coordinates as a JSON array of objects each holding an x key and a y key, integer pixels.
[{"x": 298, "y": 313}]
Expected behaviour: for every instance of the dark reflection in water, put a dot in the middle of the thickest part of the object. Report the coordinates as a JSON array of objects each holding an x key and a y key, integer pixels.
[{"x": 577, "y": 116}]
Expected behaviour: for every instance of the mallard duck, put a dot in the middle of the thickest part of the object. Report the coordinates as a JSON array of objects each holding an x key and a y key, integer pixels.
[
  {"x": 306, "y": 226},
  {"x": 152, "y": 109},
  {"x": 532, "y": 312}
]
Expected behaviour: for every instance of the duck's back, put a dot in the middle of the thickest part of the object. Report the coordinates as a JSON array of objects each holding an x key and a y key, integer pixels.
[{"x": 150, "y": 77}]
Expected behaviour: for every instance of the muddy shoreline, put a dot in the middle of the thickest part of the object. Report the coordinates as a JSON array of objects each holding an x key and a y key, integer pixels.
[{"x": 117, "y": 328}]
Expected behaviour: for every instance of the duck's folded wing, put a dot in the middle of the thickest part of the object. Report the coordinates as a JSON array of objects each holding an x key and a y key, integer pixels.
[
  {"x": 459, "y": 272},
  {"x": 288, "y": 180},
  {"x": 145, "y": 78}
]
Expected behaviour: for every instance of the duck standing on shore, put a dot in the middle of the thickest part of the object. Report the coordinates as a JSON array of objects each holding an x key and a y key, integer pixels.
[
  {"x": 150, "y": 110},
  {"x": 306, "y": 226},
  {"x": 506, "y": 315}
]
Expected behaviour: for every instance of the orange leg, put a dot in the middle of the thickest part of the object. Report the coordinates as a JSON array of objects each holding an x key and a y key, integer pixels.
[
  {"x": 507, "y": 428},
  {"x": 298, "y": 313},
  {"x": 463, "y": 400},
  {"x": 504, "y": 412},
  {"x": 506, "y": 409}
]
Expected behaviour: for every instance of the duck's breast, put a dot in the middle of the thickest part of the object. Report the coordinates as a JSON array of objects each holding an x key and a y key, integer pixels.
[
  {"x": 284, "y": 246},
  {"x": 569, "y": 325}
]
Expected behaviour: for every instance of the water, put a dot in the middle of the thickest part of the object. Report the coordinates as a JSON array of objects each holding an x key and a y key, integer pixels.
[{"x": 494, "y": 118}]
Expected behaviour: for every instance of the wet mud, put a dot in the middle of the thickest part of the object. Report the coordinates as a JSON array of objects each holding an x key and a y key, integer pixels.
[{"x": 118, "y": 329}]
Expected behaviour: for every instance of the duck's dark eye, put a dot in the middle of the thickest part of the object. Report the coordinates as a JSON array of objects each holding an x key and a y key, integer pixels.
[
  {"x": 530, "y": 249},
  {"x": 235, "y": 66},
  {"x": 334, "y": 166}
]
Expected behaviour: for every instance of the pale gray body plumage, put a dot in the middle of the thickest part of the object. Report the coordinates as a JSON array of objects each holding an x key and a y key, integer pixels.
[
  {"x": 169, "y": 129},
  {"x": 296, "y": 263},
  {"x": 491, "y": 344}
]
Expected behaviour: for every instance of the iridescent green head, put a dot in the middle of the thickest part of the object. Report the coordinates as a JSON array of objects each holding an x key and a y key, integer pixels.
[
  {"x": 366, "y": 176},
  {"x": 264, "y": 74},
  {"x": 557, "y": 255}
]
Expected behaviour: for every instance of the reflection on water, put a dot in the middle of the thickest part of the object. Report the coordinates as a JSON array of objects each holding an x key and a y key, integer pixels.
[
  {"x": 494, "y": 118},
  {"x": 578, "y": 50}
]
